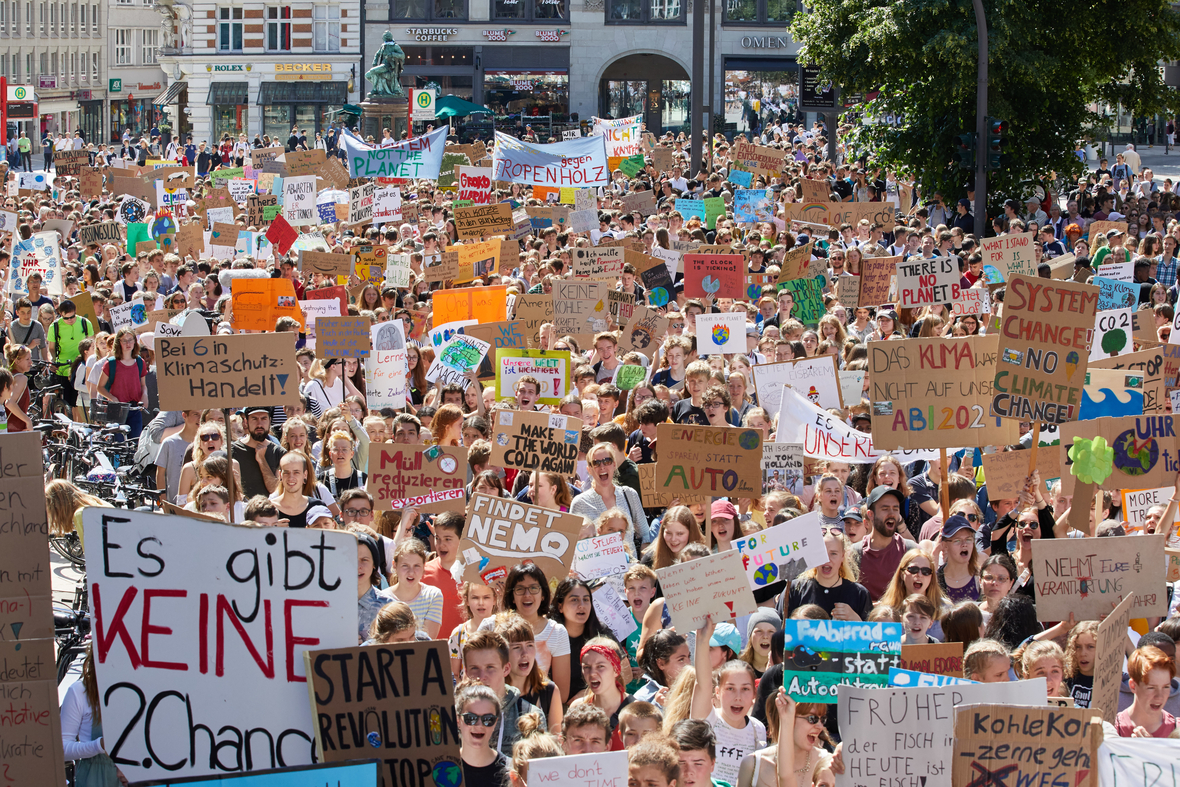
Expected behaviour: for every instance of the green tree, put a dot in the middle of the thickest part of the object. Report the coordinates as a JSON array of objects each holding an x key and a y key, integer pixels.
[{"x": 1047, "y": 62}]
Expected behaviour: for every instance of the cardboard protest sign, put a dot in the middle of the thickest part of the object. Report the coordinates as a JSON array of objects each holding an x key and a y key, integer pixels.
[
  {"x": 460, "y": 355},
  {"x": 714, "y": 585},
  {"x": 937, "y": 658},
  {"x": 973, "y": 300},
  {"x": 621, "y": 305},
  {"x": 1044, "y": 348},
  {"x": 821, "y": 655},
  {"x": 325, "y": 263},
  {"x": 914, "y": 724},
  {"x": 935, "y": 393},
  {"x": 476, "y": 221},
  {"x": 32, "y": 738},
  {"x": 721, "y": 333},
  {"x": 719, "y": 275},
  {"x": 1007, "y": 256},
  {"x": 258, "y": 303},
  {"x": 809, "y": 300},
  {"x": 1145, "y": 450},
  {"x": 1109, "y": 652},
  {"x": 199, "y": 372},
  {"x": 598, "y": 263},
  {"x": 782, "y": 552},
  {"x": 1001, "y": 743},
  {"x": 600, "y": 556},
  {"x": 581, "y": 770},
  {"x": 654, "y": 496},
  {"x": 815, "y": 378},
  {"x": 643, "y": 332},
  {"x": 428, "y": 478},
  {"x": 531, "y": 311},
  {"x": 342, "y": 337},
  {"x": 781, "y": 464},
  {"x": 758, "y": 158},
  {"x": 1137, "y": 502},
  {"x": 501, "y": 532},
  {"x": 486, "y": 304},
  {"x": 239, "y": 666},
  {"x": 580, "y": 307},
  {"x": 508, "y": 335},
  {"x": 795, "y": 262},
  {"x": 98, "y": 234},
  {"x": 550, "y": 367},
  {"x": 642, "y": 201},
  {"x": 357, "y": 719},
  {"x": 815, "y": 190},
  {"x": 709, "y": 460},
  {"x": 922, "y": 282},
  {"x": 536, "y": 441},
  {"x": 876, "y": 280},
  {"x": 1096, "y": 228},
  {"x": 1084, "y": 577},
  {"x": 1005, "y": 472},
  {"x": 69, "y": 163},
  {"x": 1150, "y": 364}
]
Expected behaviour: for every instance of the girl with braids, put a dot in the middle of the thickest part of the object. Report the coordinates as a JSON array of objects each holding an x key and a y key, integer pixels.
[{"x": 82, "y": 735}]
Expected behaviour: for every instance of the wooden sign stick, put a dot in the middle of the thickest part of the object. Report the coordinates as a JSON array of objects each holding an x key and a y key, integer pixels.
[{"x": 944, "y": 490}]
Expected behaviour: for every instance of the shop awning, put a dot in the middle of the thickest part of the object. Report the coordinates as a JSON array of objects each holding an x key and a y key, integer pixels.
[
  {"x": 453, "y": 106},
  {"x": 170, "y": 94},
  {"x": 299, "y": 92},
  {"x": 228, "y": 94}
]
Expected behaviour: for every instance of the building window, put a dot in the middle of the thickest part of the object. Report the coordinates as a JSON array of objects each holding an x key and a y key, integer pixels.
[
  {"x": 151, "y": 42},
  {"x": 16, "y": 18},
  {"x": 229, "y": 32},
  {"x": 531, "y": 10},
  {"x": 4, "y": 18},
  {"x": 278, "y": 28},
  {"x": 644, "y": 11},
  {"x": 327, "y": 28},
  {"x": 73, "y": 19},
  {"x": 42, "y": 18},
  {"x": 16, "y": 68},
  {"x": 93, "y": 19},
  {"x": 52, "y": 18},
  {"x": 94, "y": 68},
  {"x": 429, "y": 10},
  {"x": 759, "y": 12},
  {"x": 82, "y": 19},
  {"x": 122, "y": 47}
]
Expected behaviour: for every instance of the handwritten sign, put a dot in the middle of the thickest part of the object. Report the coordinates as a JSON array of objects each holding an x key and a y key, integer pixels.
[
  {"x": 782, "y": 552},
  {"x": 598, "y": 263},
  {"x": 199, "y": 372},
  {"x": 821, "y": 655},
  {"x": 428, "y": 478},
  {"x": 536, "y": 441},
  {"x": 815, "y": 378},
  {"x": 1005, "y": 472},
  {"x": 718, "y": 275},
  {"x": 876, "y": 280},
  {"x": 1007, "y": 256},
  {"x": 476, "y": 221},
  {"x": 1000, "y": 742},
  {"x": 1145, "y": 450},
  {"x": 240, "y": 665},
  {"x": 1109, "y": 652},
  {"x": 608, "y": 769},
  {"x": 342, "y": 337},
  {"x": 1086, "y": 577},
  {"x": 501, "y": 532},
  {"x": 923, "y": 282},
  {"x": 714, "y": 585},
  {"x": 710, "y": 460},
  {"x": 1136, "y": 762},
  {"x": 460, "y": 355},
  {"x": 940, "y": 658},
  {"x": 600, "y": 556}
]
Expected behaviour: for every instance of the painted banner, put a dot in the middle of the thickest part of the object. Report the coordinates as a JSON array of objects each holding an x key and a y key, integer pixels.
[
  {"x": 576, "y": 162},
  {"x": 460, "y": 355},
  {"x": 1007, "y": 256},
  {"x": 427, "y": 478},
  {"x": 935, "y": 393},
  {"x": 782, "y": 552},
  {"x": 536, "y": 441},
  {"x": 719, "y": 275},
  {"x": 501, "y": 532},
  {"x": 550, "y": 367},
  {"x": 407, "y": 717},
  {"x": 922, "y": 282},
  {"x": 226, "y": 641},
  {"x": 1146, "y": 450},
  {"x": 1087, "y": 577},
  {"x": 418, "y": 158},
  {"x": 815, "y": 378},
  {"x": 826, "y": 437},
  {"x": 39, "y": 254},
  {"x": 1149, "y": 363},
  {"x": 908, "y": 730},
  {"x": 1044, "y": 347},
  {"x": 821, "y": 655},
  {"x": 386, "y": 367},
  {"x": 721, "y": 333},
  {"x": 623, "y": 136},
  {"x": 1022, "y": 745},
  {"x": 709, "y": 460},
  {"x": 714, "y": 585},
  {"x": 199, "y": 372}
]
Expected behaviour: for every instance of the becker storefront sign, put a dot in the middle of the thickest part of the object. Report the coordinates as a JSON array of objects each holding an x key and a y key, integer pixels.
[
  {"x": 302, "y": 68},
  {"x": 432, "y": 33}
]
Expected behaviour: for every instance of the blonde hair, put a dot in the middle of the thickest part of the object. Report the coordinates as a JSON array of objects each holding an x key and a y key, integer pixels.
[
  {"x": 1028, "y": 655},
  {"x": 62, "y": 501},
  {"x": 848, "y": 567},
  {"x": 895, "y": 594},
  {"x": 393, "y": 618},
  {"x": 535, "y": 743},
  {"x": 678, "y": 705},
  {"x": 1072, "y": 667},
  {"x": 979, "y": 653}
]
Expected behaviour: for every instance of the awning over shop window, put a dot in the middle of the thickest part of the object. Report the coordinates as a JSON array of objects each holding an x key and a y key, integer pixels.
[
  {"x": 229, "y": 94},
  {"x": 299, "y": 92},
  {"x": 170, "y": 94}
]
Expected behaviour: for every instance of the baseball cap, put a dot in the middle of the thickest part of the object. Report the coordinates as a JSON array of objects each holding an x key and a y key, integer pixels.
[
  {"x": 724, "y": 508},
  {"x": 256, "y": 409},
  {"x": 954, "y": 525},
  {"x": 316, "y": 513},
  {"x": 851, "y": 512},
  {"x": 880, "y": 492},
  {"x": 726, "y": 635},
  {"x": 1114, "y": 233}
]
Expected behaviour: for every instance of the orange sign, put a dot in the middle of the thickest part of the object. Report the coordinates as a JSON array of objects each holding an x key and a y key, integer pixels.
[
  {"x": 486, "y": 304},
  {"x": 258, "y": 303}
]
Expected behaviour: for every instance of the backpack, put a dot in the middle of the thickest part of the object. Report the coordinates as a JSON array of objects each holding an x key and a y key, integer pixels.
[
  {"x": 112, "y": 367},
  {"x": 57, "y": 334}
]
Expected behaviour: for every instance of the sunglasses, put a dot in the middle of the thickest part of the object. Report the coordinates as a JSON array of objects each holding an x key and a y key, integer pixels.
[
  {"x": 605, "y": 462},
  {"x": 487, "y": 719},
  {"x": 811, "y": 718},
  {"x": 972, "y": 517},
  {"x": 208, "y": 438},
  {"x": 916, "y": 570},
  {"x": 829, "y": 530}
]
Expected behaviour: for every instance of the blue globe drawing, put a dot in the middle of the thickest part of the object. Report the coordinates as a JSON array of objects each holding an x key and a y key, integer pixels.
[
  {"x": 766, "y": 574},
  {"x": 448, "y": 774},
  {"x": 1135, "y": 457},
  {"x": 748, "y": 440}
]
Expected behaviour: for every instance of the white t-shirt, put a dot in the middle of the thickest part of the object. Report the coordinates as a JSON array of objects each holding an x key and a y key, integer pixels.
[
  {"x": 557, "y": 643},
  {"x": 734, "y": 744}
]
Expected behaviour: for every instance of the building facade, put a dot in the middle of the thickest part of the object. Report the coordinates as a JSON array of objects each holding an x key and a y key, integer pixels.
[
  {"x": 135, "y": 32},
  {"x": 255, "y": 68},
  {"x": 539, "y": 61},
  {"x": 57, "y": 48}
]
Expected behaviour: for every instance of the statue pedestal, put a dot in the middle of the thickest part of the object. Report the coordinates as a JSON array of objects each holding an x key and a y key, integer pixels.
[{"x": 381, "y": 112}]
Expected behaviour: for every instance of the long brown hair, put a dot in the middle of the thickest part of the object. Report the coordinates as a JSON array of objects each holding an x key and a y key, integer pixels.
[
  {"x": 662, "y": 556},
  {"x": 90, "y": 683}
]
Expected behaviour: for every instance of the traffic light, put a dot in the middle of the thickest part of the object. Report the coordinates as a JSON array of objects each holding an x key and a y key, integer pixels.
[
  {"x": 965, "y": 151},
  {"x": 997, "y": 131}
]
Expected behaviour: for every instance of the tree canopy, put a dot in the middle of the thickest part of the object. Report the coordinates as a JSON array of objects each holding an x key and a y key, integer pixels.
[{"x": 1049, "y": 63}]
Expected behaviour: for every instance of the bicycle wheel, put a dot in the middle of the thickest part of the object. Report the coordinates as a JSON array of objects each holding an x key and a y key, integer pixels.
[{"x": 69, "y": 546}]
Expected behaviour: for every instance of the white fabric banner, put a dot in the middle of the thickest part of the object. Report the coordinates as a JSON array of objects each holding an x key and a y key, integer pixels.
[
  {"x": 624, "y": 137},
  {"x": 574, "y": 163}
]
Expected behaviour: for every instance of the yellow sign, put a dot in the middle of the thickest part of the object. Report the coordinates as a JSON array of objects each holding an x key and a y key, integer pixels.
[{"x": 303, "y": 72}]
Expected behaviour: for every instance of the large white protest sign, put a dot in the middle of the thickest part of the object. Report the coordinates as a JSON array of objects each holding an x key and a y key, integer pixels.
[
  {"x": 826, "y": 437},
  {"x": 608, "y": 769},
  {"x": 721, "y": 333},
  {"x": 199, "y": 634},
  {"x": 387, "y": 205},
  {"x": 572, "y": 163},
  {"x": 418, "y": 158},
  {"x": 714, "y": 585},
  {"x": 623, "y": 136},
  {"x": 1138, "y": 762},
  {"x": 911, "y": 731},
  {"x": 613, "y": 611},
  {"x": 386, "y": 368},
  {"x": 815, "y": 378},
  {"x": 39, "y": 254},
  {"x": 299, "y": 200},
  {"x": 600, "y": 556},
  {"x": 782, "y": 552}
]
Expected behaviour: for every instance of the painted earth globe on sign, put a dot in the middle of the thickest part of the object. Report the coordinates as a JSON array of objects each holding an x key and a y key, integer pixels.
[
  {"x": 720, "y": 334},
  {"x": 1133, "y": 456}
]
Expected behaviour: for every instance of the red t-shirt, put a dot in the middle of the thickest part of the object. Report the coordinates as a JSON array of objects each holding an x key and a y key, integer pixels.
[
  {"x": 128, "y": 383},
  {"x": 877, "y": 566},
  {"x": 436, "y": 576}
]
